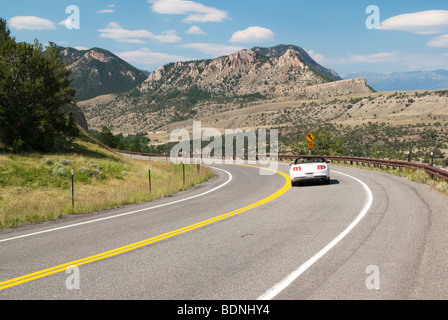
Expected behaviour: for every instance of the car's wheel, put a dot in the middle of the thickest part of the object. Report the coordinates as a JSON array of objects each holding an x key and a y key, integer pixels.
[{"x": 327, "y": 181}]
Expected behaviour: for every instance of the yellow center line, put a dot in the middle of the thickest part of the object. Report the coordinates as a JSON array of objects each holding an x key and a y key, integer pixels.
[{"x": 136, "y": 245}]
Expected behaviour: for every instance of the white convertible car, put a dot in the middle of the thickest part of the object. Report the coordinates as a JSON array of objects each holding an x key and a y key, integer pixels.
[{"x": 309, "y": 168}]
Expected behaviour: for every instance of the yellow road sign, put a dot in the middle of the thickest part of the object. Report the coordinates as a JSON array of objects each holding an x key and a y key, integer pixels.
[
  {"x": 310, "y": 137},
  {"x": 310, "y": 146}
]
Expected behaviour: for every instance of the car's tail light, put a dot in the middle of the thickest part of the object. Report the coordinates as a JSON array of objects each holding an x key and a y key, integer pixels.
[
  {"x": 297, "y": 169},
  {"x": 321, "y": 167}
]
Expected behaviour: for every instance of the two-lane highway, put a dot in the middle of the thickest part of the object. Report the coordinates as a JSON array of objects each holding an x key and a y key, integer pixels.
[{"x": 240, "y": 236}]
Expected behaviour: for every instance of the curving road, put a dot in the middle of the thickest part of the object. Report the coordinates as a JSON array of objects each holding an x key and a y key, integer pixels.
[{"x": 243, "y": 236}]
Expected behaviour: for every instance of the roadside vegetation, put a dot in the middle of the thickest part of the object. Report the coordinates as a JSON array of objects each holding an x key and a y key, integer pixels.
[
  {"x": 34, "y": 88},
  {"x": 373, "y": 140},
  {"x": 36, "y": 187}
]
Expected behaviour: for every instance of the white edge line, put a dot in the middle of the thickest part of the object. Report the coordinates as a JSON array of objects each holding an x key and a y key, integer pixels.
[
  {"x": 125, "y": 213},
  {"x": 279, "y": 287}
]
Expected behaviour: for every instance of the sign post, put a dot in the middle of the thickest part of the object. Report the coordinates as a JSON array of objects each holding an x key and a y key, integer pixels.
[{"x": 310, "y": 137}]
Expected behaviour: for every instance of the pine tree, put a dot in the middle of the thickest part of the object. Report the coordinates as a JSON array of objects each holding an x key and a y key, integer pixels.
[{"x": 34, "y": 86}]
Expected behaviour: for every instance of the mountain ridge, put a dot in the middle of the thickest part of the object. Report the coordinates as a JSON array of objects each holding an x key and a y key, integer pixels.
[
  {"x": 180, "y": 91},
  {"x": 248, "y": 71},
  {"x": 98, "y": 71},
  {"x": 281, "y": 49}
]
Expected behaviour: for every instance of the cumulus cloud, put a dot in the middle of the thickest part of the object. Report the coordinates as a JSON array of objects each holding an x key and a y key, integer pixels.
[
  {"x": 146, "y": 57},
  {"x": 212, "y": 49},
  {"x": 195, "y": 30},
  {"x": 196, "y": 12},
  {"x": 253, "y": 35},
  {"x": 441, "y": 41},
  {"x": 118, "y": 33},
  {"x": 318, "y": 57},
  {"x": 31, "y": 23},
  {"x": 169, "y": 36},
  {"x": 423, "y": 22}
]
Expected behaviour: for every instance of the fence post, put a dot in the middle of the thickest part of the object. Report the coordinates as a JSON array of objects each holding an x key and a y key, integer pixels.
[
  {"x": 73, "y": 189},
  {"x": 150, "y": 187}
]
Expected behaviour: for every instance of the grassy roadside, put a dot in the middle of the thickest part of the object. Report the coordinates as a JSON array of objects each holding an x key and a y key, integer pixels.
[{"x": 36, "y": 187}]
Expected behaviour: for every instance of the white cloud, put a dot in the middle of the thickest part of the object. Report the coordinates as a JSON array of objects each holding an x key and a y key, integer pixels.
[
  {"x": 168, "y": 36},
  {"x": 373, "y": 58},
  {"x": 118, "y": 33},
  {"x": 213, "y": 49},
  {"x": 109, "y": 10},
  {"x": 252, "y": 35},
  {"x": 195, "y": 30},
  {"x": 423, "y": 22},
  {"x": 441, "y": 41},
  {"x": 318, "y": 57},
  {"x": 31, "y": 23},
  {"x": 106, "y": 11},
  {"x": 196, "y": 12},
  {"x": 146, "y": 57}
]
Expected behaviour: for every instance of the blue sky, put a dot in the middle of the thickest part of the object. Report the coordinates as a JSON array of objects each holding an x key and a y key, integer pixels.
[{"x": 406, "y": 35}]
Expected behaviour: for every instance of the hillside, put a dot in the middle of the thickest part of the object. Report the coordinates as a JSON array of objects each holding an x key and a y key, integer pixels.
[
  {"x": 186, "y": 90},
  {"x": 390, "y": 122},
  {"x": 97, "y": 72},
  {"x": 102, "y": 180}
]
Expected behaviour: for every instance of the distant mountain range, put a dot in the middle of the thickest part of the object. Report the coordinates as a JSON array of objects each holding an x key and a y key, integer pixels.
[
  {"x": 97, "y": 72},
  {"x": 186, "y": 90},
  {"x": 404, "y": 81}
]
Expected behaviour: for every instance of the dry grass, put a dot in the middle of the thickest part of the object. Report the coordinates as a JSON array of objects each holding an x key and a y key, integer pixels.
[{"x": 33, "y": 190}]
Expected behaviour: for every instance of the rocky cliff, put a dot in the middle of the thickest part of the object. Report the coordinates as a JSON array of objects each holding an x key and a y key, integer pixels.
[
  {"x": 77, "y": 113},
  {"x": 241, "y": 73}
]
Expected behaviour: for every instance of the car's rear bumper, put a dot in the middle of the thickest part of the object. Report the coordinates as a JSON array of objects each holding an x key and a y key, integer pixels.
[{"x": 313, "y": 177}]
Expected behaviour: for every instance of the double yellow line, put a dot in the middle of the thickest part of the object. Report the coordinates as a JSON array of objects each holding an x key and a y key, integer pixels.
[{"x": 133, "y": 246}]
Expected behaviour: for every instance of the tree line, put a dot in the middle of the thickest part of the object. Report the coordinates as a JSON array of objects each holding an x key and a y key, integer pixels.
[{"x": 135, "y": 143}]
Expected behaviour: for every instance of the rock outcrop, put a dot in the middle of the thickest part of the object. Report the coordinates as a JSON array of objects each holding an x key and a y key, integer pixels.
[
  {"x": 77, "y": 113},
  {"x": 336, "y": 88}
]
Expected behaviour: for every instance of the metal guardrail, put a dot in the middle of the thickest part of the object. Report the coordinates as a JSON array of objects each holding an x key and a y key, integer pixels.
[{"x": 432, "y": 170}]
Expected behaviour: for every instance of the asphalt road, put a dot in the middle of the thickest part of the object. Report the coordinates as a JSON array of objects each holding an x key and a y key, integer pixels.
[{"x": 367, "y": 235}]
